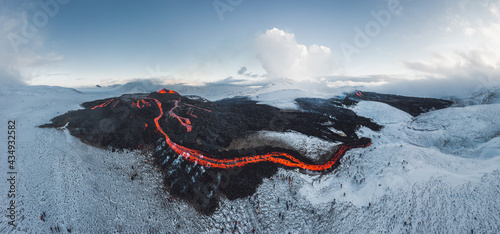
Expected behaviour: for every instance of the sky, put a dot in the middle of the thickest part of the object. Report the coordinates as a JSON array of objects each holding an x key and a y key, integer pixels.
[{"x": 449, "y": 45}]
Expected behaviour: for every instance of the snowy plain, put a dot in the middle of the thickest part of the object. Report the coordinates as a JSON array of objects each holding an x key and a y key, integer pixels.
[{"x": 435, "y": 173}]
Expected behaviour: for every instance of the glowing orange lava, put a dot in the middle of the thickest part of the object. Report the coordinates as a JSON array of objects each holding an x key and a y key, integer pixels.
[
  {"x": 140, "y": 104},
  {"x": 196, "y": 156},
  {"x": 184, "y": 121},
  {"x": 169, "y": 91},
  {"x": 104, "y": 104}
]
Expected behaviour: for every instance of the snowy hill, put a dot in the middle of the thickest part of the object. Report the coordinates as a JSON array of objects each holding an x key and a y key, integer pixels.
[
  {"x": 438, "y": 172},
  {"x": 445, "y": 129}
]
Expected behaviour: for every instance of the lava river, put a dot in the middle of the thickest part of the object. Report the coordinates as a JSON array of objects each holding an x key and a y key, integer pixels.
[
  {"x": 200, "y": 133},
  {"x": 285, "y": 159}
]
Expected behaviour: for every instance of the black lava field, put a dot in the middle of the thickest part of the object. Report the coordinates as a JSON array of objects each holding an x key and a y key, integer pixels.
[{"x": 190, "y": 137}]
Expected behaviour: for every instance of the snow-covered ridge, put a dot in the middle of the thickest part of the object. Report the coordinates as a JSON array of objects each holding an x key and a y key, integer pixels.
[{"x": 458, "y": 130}]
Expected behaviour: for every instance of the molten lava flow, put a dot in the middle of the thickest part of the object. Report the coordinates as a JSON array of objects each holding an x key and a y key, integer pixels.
[
  {"x": 140, "y": 104},
  {"x": 196, "y": 156},
  {"x": 169, "y": 91},
  {"x": 359, "y": 93},
  {"x": 103, "y": 104},
  {"x": 184, "y": 121}
]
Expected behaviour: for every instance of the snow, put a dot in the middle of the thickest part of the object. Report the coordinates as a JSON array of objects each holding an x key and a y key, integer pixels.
[
  {"x": 283, "y": 99},
  {"x": 381, "y": 112},
  {"x": 310, "y": 147},
  {"x": 438, "y": 172},
  {"x": 282, "y": 93},
  {"x": 458, "y": 130}
]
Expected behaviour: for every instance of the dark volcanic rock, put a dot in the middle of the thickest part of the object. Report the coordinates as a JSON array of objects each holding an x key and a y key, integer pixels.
[
  {"x": 411, "y": 105},
  {"x": 128, "y": 122},
  {"x": 342, "y": 119}
]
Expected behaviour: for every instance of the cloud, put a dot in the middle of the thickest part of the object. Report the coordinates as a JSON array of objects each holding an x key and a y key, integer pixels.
[
  {"x": 456, "y": 74},
  {"x": 458, "y": 63},
  {"x": 35, "y": 60},
  {"x": 8, "y": 73},
  {"x": 228, "y": 80},
  {"x": 20, "y": 53},
  {"x": 242, "y": 70},
  {"x": 283, "y": 57},
  {"x": 467, "y": 67}
]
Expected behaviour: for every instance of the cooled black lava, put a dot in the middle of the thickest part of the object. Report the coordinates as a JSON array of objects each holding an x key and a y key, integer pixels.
[{"x": 191, "y": 135}]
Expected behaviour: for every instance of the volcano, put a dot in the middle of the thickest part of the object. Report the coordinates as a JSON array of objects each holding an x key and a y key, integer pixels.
[
  {"x": 190, "y": 138},
  {"x": 437, "y": 171}
]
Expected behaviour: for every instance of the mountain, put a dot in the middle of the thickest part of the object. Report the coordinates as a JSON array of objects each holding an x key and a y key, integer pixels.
[
  {"x": 194, "y": 139},
  {"x": 437, "y": 171}
]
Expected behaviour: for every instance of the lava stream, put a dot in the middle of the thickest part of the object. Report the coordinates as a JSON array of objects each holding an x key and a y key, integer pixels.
[
  {"x": 104, "y": 104},
  {"x": 196, "y": 156}
]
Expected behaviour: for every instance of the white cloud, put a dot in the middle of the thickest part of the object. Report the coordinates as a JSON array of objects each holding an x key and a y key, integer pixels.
[
  {"x": 8, "y": 74},
  {"x": 494, "y": 9},
  {"x": 20, "y": 54},
  {"x": 443, "y": 65},
  {"x": 34, "y": 60},
  {"x": 455, "y": 74},
  {"x": 470, "y": 66},
  {"x": 283, "y": 57},
  {"x": 469, "y": 31}
]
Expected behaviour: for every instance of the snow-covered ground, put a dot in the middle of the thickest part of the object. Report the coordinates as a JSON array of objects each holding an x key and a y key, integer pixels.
[
  {"x": 435, "y": 173},
  {"x": 310, "y": 147}
]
